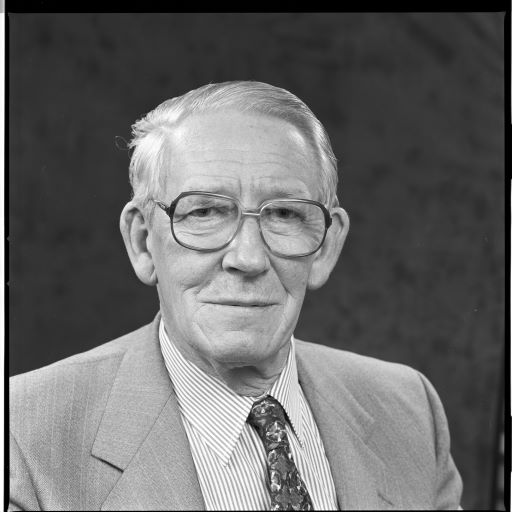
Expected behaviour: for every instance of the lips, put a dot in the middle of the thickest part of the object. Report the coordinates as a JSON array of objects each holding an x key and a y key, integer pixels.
[{"x": 245, "y": 303}]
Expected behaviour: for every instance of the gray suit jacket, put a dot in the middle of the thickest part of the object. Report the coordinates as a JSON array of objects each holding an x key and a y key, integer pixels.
[{"x": 102, "y": 430}]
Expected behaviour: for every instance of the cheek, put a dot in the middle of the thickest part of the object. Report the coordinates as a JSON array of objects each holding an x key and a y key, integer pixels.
[
  {"x": 294, "y": 276},
  {"x": 185, "y": 275},
  {"x": 179, "y": 269}
]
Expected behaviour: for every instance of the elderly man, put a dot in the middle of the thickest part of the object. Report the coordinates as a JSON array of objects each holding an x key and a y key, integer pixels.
[{"x": 214, "y": 404}]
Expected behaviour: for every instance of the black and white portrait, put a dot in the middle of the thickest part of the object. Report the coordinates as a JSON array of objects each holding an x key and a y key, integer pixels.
[{"x": 256, "y": 261}]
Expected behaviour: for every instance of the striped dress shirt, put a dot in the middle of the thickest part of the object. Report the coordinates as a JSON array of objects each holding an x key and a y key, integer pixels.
[{"x": 228, "y": 454}]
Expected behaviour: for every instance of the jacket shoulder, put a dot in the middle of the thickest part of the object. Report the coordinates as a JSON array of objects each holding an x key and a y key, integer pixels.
[
  {"x": 113, "y": 348},
  {"x": 354, "y": 369},
  {"x": 61, "y": 389},
  {"x": 378, "y": 386}
]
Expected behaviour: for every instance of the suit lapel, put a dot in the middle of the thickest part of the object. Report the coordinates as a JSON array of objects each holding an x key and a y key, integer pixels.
[
  {"x": 359, "y": 475},
  {"x": 141, "y": 434}
]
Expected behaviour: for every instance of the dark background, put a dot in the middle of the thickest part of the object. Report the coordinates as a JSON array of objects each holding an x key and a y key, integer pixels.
[{"x": 414, "y": 104}]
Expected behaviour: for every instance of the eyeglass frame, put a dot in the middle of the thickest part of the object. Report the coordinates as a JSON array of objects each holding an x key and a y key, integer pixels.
[{"x": 170, "y": 209}]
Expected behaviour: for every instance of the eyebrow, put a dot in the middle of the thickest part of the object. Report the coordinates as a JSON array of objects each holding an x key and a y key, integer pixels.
[
  {"x": 286, "y": 190},
  {"x": 267, "y": 194},
  {"x": 294, "y": 194}
]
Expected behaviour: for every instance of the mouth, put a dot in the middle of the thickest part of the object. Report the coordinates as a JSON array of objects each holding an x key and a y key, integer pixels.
[{"x": 243, "y": 303}]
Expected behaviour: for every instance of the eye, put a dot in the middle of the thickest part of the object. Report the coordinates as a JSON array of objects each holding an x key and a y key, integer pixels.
[
  {"x": 211, "y": 212},
  {"x": 284, "y": 213},
  {"x": 202, "y": 212}
]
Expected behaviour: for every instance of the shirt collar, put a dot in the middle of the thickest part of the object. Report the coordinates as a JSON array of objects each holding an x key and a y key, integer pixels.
[
  {"x": 286, "y": 391},
  {"x": 214, "y": 410}
]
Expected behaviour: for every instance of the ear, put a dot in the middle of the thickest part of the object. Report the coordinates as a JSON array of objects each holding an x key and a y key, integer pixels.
[
  {"x": 135, "y": 230},
  {"x": 325, "y": 259}
]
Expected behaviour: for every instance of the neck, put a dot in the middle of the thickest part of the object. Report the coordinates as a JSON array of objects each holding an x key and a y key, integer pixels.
[
  {"x": 246, "y": 379},
  {"x": 249, "y": 380}
]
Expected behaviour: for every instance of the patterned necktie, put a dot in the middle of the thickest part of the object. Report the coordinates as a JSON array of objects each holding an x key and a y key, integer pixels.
[{"x": 287, "y": 490}]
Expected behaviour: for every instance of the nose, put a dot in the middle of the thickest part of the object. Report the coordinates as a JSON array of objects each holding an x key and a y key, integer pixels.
[{"x": 247, "y": 252}]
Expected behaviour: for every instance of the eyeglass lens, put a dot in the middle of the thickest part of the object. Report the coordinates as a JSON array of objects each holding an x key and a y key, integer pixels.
[{"x": 289, "y": 227}]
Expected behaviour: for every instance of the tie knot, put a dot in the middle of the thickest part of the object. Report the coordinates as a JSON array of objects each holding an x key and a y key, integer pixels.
[
  {"x": 268, "y": 417},
  {"x": 266, "y": 408}
]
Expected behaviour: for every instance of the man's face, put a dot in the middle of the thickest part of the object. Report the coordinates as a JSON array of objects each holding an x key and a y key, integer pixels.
[{"x": 237, "y": 306}]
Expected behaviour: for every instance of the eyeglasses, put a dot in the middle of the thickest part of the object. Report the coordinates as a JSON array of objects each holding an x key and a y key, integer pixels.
[{"x": 207, "y": 222}]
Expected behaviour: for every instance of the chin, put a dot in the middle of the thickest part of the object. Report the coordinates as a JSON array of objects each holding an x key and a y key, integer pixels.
[{"x": 242, "y": 348}]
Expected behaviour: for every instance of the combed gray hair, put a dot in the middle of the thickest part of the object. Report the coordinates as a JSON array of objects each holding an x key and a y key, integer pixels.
[{"x": 149, "y": 133}]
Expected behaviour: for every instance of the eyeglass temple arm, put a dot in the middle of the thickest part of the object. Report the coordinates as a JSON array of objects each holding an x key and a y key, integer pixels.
[{"x": 162, "y": 205}]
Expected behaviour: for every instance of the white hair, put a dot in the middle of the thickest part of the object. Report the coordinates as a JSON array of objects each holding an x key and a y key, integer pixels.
[{"x": 149, "y": 134}]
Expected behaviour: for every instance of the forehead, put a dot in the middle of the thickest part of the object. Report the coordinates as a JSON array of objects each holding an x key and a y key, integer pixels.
[{"x": 241, "y": 153}]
